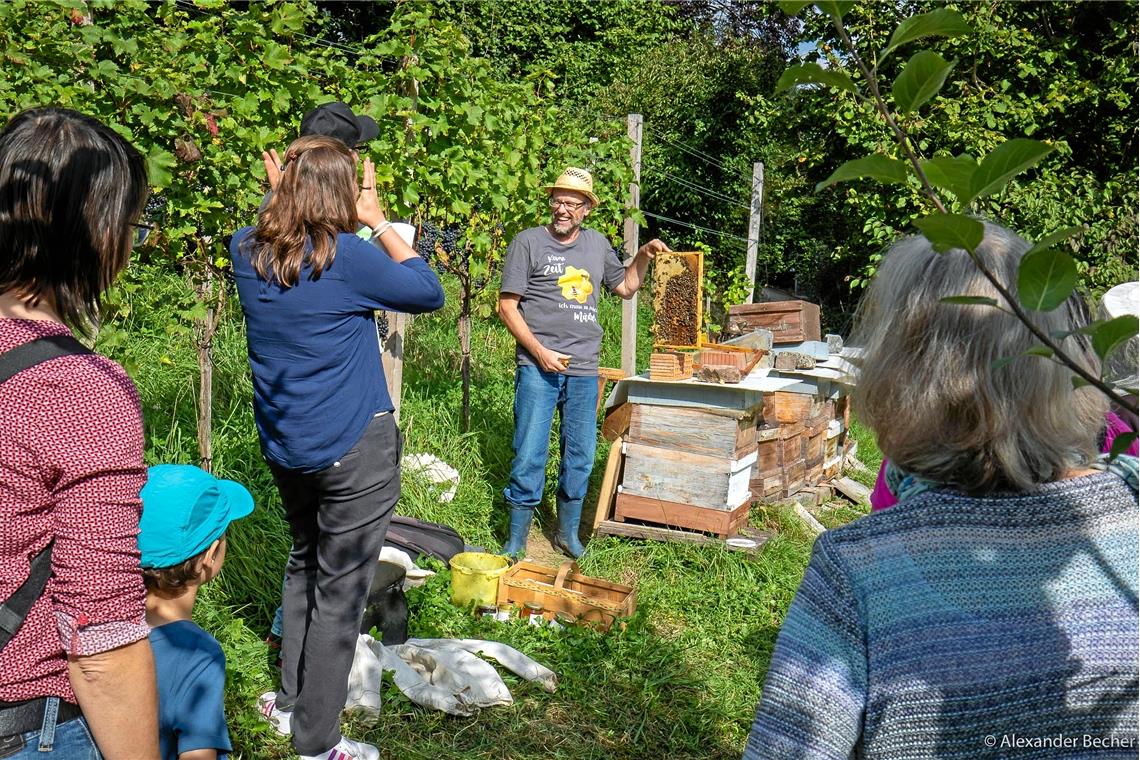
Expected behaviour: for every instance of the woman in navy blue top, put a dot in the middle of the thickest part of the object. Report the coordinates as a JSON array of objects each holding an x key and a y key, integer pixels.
[{"x": 308, "y": 286}]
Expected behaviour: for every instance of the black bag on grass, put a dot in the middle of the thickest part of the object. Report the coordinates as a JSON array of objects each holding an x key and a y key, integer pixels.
[
  {"x": 415, "y": 537},
  {"x": 387, "y": 607}
]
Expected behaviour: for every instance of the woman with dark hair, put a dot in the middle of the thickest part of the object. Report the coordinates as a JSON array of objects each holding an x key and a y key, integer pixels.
[
  {"x": 308, "y": 286},
  {"x": 993, "y": 611},
  {"x": 71, "y": 450}
]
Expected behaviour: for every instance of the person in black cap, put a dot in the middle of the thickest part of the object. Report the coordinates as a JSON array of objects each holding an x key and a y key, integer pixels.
[{"x": 334, "y": 120}]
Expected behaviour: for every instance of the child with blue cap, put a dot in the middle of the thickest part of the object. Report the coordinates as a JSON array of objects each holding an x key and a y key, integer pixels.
[{"x": 182, "y": 539}]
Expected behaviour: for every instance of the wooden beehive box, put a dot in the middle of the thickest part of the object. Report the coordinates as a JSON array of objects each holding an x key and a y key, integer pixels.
[
  {"x": 789, "y": 321},
  {"x": 711, "y": 482},
  {"x": 677, "y": 299},
  {"x": 729, "y": 435},
  {"x": 565, "y": 589}
]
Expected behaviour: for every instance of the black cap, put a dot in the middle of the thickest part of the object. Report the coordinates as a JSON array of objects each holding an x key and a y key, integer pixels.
[{"x": 338, "y": 121}]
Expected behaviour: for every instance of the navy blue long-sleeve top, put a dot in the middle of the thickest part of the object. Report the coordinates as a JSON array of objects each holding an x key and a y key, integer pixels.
[{"x": 317, "y": 376}]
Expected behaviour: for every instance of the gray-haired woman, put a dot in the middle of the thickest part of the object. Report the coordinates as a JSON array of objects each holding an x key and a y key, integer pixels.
[{"x": 994, "y": 609}]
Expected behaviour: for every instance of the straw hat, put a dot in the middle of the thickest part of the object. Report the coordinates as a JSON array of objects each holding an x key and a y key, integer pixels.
[{"x": 578, "y": 180}]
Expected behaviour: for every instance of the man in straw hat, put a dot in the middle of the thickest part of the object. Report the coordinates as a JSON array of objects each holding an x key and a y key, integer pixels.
[{"x": 548, "y": 300}]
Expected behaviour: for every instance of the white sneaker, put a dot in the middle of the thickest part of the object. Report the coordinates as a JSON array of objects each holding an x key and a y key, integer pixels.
[
  {"x": 347, "y": 749},
  {"x": 281, "y": 720}
]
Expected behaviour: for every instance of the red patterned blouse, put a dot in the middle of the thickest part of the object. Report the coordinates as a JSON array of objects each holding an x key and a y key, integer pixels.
[{"x": 71, "y": 467}]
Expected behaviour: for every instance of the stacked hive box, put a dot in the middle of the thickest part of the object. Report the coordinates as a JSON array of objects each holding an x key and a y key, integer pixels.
[
  {"x": 789, "y": 321},
  {"x": 800, "y": 443},
  {"x": 689, "y": 468}
]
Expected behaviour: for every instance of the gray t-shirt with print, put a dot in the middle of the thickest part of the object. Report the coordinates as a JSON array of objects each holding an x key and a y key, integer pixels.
[{"x": 558, "y": 285}]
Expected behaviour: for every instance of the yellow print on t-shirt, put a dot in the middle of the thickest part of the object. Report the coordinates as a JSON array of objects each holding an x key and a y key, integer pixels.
[{"x": 575, "y": 284}]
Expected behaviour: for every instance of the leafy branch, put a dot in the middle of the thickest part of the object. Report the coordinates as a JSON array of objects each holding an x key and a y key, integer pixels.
[{"x": 1047, "y": 276}]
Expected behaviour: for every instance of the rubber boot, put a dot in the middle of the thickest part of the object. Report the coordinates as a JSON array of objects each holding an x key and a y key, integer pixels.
[
  {"x": 566, "y": 539},
  {"x": 520, "y": 526}
]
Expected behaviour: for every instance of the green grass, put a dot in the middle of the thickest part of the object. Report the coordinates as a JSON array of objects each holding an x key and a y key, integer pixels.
[{"x": 680, "y": 681}]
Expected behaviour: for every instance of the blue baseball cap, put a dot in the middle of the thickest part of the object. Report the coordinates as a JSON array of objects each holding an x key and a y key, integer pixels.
[{"x": 185, "y": 509}]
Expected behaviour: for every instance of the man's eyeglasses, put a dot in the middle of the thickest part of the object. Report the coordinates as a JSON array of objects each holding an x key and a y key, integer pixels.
[
  {"x": 570, "y": 205},
  {"x": 142, "y": 232}
]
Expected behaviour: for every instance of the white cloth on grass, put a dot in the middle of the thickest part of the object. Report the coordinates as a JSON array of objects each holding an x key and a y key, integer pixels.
[{"x": 444, "y": 674}]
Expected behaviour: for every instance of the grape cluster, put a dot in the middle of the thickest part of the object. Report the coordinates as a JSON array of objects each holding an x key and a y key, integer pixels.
[
  {"x": 382, "y": 325},
  {"x": 447, "y": 240},
  {"x": 429, "y": 236}
]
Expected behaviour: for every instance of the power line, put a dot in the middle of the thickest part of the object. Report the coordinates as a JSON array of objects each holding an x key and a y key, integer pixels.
[
  {"x": 710, "y": 230},
  {"x": 702, "y": 189},
  {"x": 691, "y": 151}
]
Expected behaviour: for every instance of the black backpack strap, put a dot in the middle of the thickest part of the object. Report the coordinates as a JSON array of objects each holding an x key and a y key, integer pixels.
[
  {"x": 39, "y": 350},
  {"x": 16, "y": 607}
]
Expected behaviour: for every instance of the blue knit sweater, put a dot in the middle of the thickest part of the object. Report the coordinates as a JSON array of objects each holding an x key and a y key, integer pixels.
[{"x": 957, "y": 627}]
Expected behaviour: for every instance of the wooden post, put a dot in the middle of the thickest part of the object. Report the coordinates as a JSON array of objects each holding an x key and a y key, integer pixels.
[
  {"x": 393, "y": 357},
  {"x": 755, "y": 218},
  {"x": 629, "y": 307}
]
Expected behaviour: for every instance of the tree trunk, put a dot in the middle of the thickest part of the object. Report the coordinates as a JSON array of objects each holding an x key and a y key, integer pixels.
[{"x": 465, "y": 348}]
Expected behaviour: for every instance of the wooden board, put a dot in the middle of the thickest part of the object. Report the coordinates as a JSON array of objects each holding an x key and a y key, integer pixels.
[
  {"x": 610, "y": 480},
  {"x": 657, "y": 533},
  {"x": 715, "y": 483},
  {"x": 789, "y": 321},
  {"x": 699, "y": 431},
  {"x": 677, "y": 298},
  {"x": 617, "y": 421},
  {"x": 853, "y": 490},
  {"x": 674, "y": 515}
]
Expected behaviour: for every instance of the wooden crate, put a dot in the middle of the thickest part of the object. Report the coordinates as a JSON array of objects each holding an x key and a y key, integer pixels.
[
  {"x": 672, "y": 514},
  {"x": 677, "y": 299},
  {"x": 566, "y": 589},
  {"x": 789, "y": 321},
  {"x": 700, "y": 431},
  {"x": 687, "y": 478}
]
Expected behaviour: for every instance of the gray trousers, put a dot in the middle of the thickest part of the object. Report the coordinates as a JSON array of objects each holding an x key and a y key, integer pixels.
[{"x": 338, "y": 518}]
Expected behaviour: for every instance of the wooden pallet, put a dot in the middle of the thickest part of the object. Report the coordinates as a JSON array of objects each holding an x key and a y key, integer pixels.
[
  {"x": 657, "y": 533},
  {"x": 671, "y": 514}
]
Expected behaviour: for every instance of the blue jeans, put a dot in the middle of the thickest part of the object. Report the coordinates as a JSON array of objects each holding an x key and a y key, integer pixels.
[
  {"x": 68, "y": 741},
  {"x": 537, "y": 395}
]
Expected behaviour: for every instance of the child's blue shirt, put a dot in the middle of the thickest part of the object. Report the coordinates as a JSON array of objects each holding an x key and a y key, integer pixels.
[{"x": 191, "y": 673}]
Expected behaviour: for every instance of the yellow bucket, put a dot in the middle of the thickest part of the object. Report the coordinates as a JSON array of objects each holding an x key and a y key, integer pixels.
[{"x": 475, "y": 578}]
